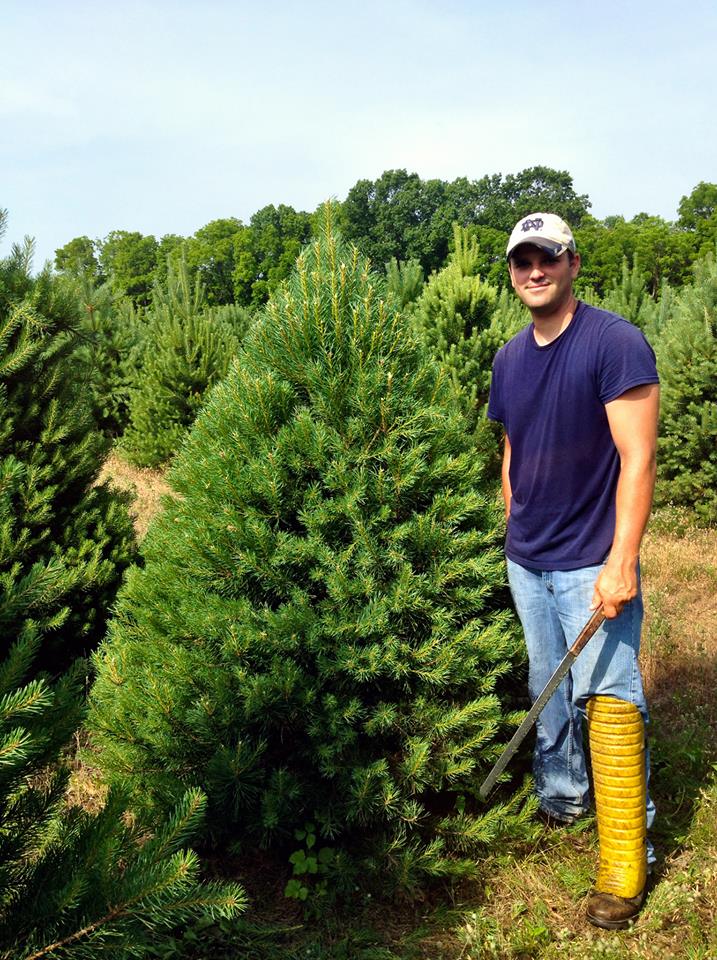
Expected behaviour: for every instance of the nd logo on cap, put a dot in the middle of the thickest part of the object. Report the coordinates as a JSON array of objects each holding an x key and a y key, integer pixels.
[{"x": 536, "y": 224}]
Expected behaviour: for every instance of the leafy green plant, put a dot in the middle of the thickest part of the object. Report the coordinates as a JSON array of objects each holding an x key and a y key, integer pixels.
[{"x": 311, "y": 866}]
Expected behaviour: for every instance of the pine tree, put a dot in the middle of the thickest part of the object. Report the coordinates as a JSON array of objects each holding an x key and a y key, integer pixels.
[
  {"x": 509, "y": 315},
  {"x": 237, "y": 320},
  {"x": 630, "y": 298},
  {"x": 464, "y": 323},
  {"x": 53, "y": 514},
  {"x": 687, "y": 362},
  {"x": 112, "y": 330},
  {"x": 320, "y": 628},
  {"x": 660, "y": 318},
  {"x": 72, "y": 883},
  {"x": 186, "y": 348},
  {"x": 453, "y": 315},
  {"x": 404, "y": 280}
]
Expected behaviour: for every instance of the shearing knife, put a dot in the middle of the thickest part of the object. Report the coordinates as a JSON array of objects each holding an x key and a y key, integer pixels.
[{"x": 546, "y": 693}]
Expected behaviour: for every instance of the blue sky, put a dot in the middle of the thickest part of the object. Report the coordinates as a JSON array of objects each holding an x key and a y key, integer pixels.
[{"x": 163, "y": 115}]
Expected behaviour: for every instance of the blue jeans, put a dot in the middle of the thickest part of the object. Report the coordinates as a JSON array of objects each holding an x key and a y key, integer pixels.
[{"x": 553, "y": 607}]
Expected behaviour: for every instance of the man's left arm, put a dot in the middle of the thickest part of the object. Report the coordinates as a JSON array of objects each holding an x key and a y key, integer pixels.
[{"x": 633, "y": 420}]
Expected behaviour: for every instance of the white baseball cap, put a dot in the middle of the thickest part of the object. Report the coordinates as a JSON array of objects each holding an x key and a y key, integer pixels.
[{"x": 545, "y": 230}]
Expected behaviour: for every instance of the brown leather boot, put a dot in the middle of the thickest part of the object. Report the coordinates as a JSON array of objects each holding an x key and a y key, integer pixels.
[
  {"x": 611, "y": 912},
  {"x": 617, "y": 748}
]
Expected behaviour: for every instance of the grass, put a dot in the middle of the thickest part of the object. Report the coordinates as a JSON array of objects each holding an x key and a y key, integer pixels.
[
  {"x": 529, "y": 904},
  {"x": 147, "y": 486}
]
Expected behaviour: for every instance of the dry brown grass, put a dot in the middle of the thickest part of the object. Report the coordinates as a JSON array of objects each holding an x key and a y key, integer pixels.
[
  {"x": 679, "y": 654},
  {"x": 147, "y": 487},
  {"x": 85, "y": 788}
]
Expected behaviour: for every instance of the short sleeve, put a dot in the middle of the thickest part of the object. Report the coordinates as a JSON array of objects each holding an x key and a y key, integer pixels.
[
  {"x": 495, "y": 396},
  {"x": 626, "y": 360}
]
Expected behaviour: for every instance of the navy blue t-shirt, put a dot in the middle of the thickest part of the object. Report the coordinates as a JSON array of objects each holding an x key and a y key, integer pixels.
[{"x": 564, "y": 465}]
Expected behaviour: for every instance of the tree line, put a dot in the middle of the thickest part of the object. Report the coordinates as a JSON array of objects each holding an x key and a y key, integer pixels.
[{"x": 400, "y": 216}]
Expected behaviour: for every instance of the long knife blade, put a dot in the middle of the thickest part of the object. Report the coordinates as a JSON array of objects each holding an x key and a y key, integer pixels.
[{"x": 546, "y": 693}]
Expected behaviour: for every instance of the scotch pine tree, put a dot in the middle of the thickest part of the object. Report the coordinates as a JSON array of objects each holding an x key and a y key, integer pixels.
[
  {"x": 53, "y": 513},
  {"x": 72, "y": 883},
  {"x": 320, "y": 628},
  {"x": 186, "y": 348},
  {"x": 404, "y": 280},
  {"x": 457, "y": 317},
  {"x": 630, "y": 298},
  {"x": 453, "y": 315},
  {"x": 687, "y": 362},
  {"x": 661, "y": 315},
  {"x": 112, "y": 332}
]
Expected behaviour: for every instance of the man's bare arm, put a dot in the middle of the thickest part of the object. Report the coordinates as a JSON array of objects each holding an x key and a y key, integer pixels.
[
  {"x": 505, "y": 476},
  {"x": 633, "y": 424}
]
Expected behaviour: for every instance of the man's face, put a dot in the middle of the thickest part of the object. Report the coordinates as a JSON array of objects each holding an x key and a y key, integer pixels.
[{"x": 544, "y": 283}]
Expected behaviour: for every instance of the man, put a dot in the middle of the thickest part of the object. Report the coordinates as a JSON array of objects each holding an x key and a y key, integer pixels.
[{"x": 577, "y": 393}]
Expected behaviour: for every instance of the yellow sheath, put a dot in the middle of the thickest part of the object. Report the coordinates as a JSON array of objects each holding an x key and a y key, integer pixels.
[{"x": 617, "y": 749}]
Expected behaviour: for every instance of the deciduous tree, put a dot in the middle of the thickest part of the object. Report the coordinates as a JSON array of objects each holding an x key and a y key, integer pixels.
[
  {"x": 78, "y": 258},
  {"x": 210, "y": 255},
  {"x": 502, "y": 200},
  {"x": 129, "y": 260},
  {"x": 266, "y": 251}
]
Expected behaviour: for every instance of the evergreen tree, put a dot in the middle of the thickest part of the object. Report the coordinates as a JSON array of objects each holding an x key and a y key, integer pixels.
[
  {"x": 71, "y": 884},
  {"x": 75, "y": 884},
  {"x": 629, "y": 297},
  {"x": 53, "y": 512},
  {"x": 687, "y": 361},
  {"x": 237, "y": 320},
  {"x": 661, "y": 315},
  {"x": 509, "y": 315},
  {"x": 112, "y": 331},
  {"x": 404, "y": 280},
  {"x": 185, "y": 349},
  {"x": 320, "y": 629},
  {"x": 453, "y": 315},
  {"x": 456, "y": 315}
]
